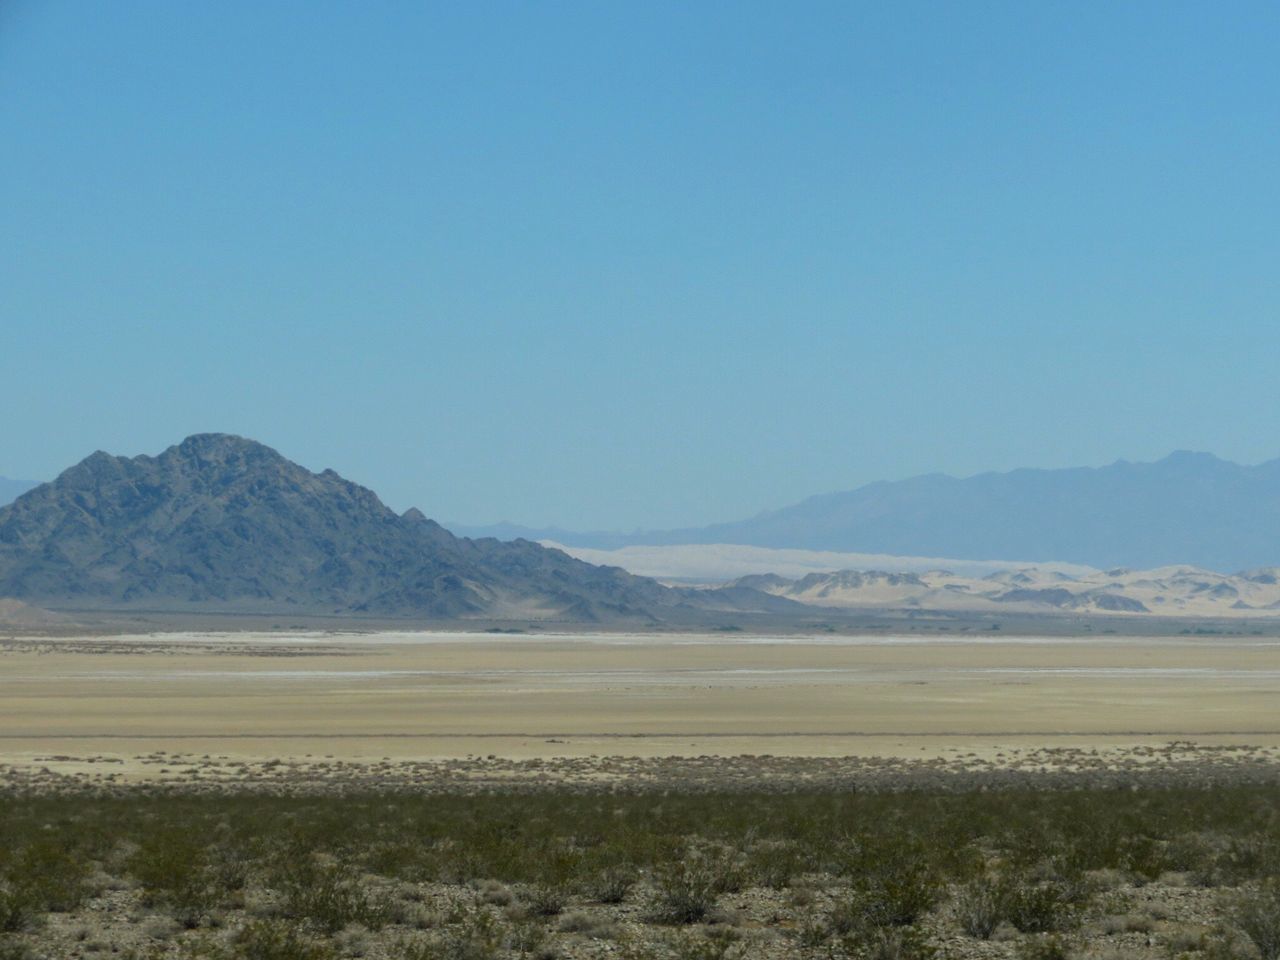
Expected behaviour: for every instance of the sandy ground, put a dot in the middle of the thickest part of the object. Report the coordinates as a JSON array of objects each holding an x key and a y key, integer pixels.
[
  {"x": 717, "y": 562},
  {"x": 439, "y": 696}
]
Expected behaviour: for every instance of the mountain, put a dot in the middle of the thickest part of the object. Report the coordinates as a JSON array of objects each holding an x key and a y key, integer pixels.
[
  {"x": 10, "y": 490},
  {"x": 1189, "y": 508},
  {"x": 223, "y": 523}
]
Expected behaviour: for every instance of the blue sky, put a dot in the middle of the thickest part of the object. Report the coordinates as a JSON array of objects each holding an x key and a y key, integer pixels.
[{"x": 611, "y": 265}]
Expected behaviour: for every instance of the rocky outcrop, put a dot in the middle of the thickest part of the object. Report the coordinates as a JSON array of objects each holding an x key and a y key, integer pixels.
[{"x": 219, "y": 522}]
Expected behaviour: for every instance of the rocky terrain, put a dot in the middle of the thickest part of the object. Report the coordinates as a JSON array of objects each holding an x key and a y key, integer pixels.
[
  {"x": 223, "y": 525},
  {"x": 227, "y": 524}
]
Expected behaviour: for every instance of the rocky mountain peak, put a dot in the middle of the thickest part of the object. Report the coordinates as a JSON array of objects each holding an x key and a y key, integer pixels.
[
  {"x": 222, "y": 522},
  {"x": 219, "y": 448}
]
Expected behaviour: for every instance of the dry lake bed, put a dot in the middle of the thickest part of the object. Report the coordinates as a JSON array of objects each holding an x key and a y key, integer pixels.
[
  {"x": 68, "y": 704},
  {"x": 404, "y": 796}
]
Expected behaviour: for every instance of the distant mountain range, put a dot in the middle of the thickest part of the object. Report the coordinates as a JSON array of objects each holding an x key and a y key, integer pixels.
[
  {"x": 10, "y": 490},
  {"x": 1189, "y": 508},
  {"x": 220, "y": 523}
]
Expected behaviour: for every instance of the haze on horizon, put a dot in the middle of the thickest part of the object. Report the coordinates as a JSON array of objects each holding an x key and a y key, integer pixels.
[{"x": 639, "y": 267}]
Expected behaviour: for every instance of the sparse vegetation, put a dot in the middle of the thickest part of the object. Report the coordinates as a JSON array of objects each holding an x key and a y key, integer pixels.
[
  {"x": 1044, "y": 947},
  {"x": 686, "y": 891},
  {"x": 826, "y": 874},
  {"x": 1257, "y": 913},
  {"x": 1040, "y": 906},
  {"x": 611, "y": 884},
  {"x": 979, "y": 907},
  {"x": 13, "y": 950}
]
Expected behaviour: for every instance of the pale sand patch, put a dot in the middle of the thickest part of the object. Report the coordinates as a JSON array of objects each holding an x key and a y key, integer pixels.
[
  {"x": 713, "y": 562},
  {"x": 446, "y": 695}
]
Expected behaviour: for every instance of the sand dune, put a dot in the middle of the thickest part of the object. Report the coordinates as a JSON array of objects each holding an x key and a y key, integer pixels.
[
  {"x": 880, "y": 582},
  {"x": 716, "y": 562},
  {"x": 1167, "y": 591}
]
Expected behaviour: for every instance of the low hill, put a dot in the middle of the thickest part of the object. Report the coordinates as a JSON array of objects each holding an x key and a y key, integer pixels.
[
  {"x": 16, "y": 614},
  {"x": 221, "y": 523},
  {"x": 1169, "y": 591}
]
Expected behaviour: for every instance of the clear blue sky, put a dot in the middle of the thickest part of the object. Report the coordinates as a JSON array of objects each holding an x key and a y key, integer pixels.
[{"x": 610, "y": 265}]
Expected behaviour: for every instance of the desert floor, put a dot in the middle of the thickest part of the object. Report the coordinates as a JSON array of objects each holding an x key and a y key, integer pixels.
[
  {"x": 70, "y": 704},
  {"x": 403, "y": 796}
]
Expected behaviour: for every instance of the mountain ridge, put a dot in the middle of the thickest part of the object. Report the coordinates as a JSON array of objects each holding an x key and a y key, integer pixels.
[
  {"x": 222, "y": 522},
  {"x": 11, "y": 489},
  {"x": 1188, "y": 507}
]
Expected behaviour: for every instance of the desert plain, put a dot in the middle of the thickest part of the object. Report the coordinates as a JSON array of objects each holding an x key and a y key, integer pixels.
[
  {"x": 443, "y": 795},
  {"x": 388, "y": 697}
]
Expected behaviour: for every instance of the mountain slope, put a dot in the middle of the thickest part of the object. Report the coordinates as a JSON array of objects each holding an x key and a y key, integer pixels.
[
  {"x": 220, "y": 522},
  {"x": 1189, "y": 508}
]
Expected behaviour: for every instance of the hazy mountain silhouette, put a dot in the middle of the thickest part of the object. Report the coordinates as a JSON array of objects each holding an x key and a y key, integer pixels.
[
  {"x": 1189, "y": 508},
  {"x": 223, "y": 523},
  {"x": 10, "y": 490}
]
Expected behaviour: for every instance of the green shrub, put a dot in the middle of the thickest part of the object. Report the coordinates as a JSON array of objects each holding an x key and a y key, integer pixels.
[
  {"x": 1190, "y": 853},
  {"x": 1220, "y": 944},
  {"x": 714, "y": 944},
  {"x": 47, "y": 876},
  {"x": 275, "y": 940},
  {"x": 1257, "y": 913},
  {"x": 1039, "y": 907},
  {"x": 476, "y": 935},
  {"x": 11, "y": 949},
  {"x": 171, "y": 867},
  {"x": 1043, "y": 947},
  {"x": 774, "y": 864},
  {"x": 545, "y": 900},
  {"x": 18, "y": 910},
  {"x": 1249, "y": 858},
  {"x": 330, "y": 899},
  {"x": 811, "y": 930},
  {"x": 528, "y": 938},
  {"x": 886, "y": 943},
  {"x": 980, "y": 907},
  {"x": 685, "y": 892},
  {"x": 611, "y": 884},
  {"x": 896, "y": 895}
]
